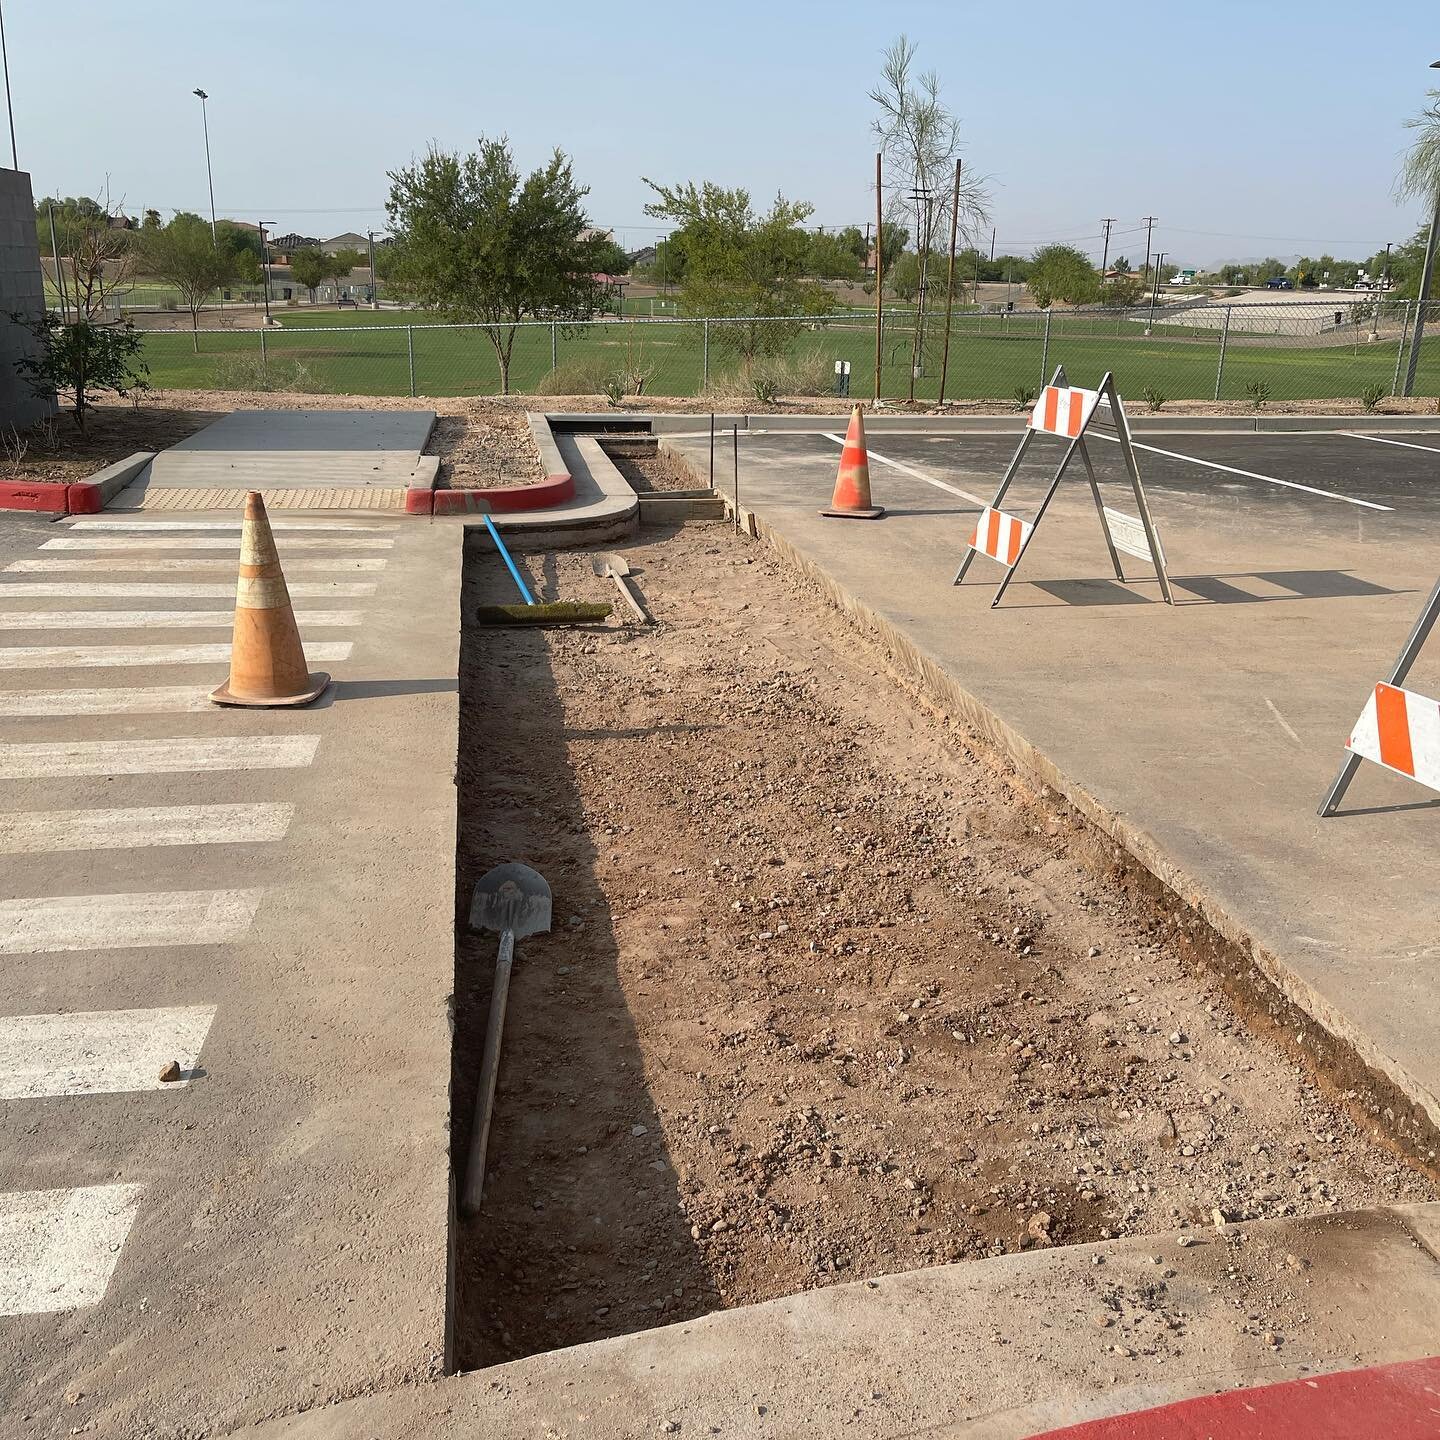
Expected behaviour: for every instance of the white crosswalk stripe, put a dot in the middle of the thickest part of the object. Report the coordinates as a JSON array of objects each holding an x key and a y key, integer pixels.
[
  {"x": 30, "y": 832},
  {"x": 52, "y": 923},
  {"x": 123, "y": 564},
  {"x": 49, "y": 657},
  {"x": 150, "y": 619},
  {"x": 208, "y": 542},
  {"x": 46, "y": 760},
  {"x": 175, "y": 590},
  {"x": 107, "y": 1052},
  {"x": 318, "y": 526},
  {"x": 129, "y": 700},
  {"x": 59, "y": 1248}
]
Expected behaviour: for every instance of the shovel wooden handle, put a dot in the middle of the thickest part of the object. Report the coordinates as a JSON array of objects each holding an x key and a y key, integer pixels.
[{"x": 489, "y": 1073}]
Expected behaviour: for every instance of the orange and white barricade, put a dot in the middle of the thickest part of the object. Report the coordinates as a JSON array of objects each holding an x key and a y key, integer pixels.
[
  {"x": 1398, "y": 729},
  {"x": 1069, "y": 413}
]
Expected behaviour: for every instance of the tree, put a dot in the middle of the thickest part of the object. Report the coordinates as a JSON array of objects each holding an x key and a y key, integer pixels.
[
  {"x": 833, "y": 256},
  {"x": 237, "y": 239},
  {"x": 610, "y": 258},
  {"x": 73, "y": 361},
  {"x": 920, "y": 139},
  {"x": 741, "y": 263},
  {"x": 184, "y": 253},
  {"x": 1122, "y": 266},
  {"x": 479, "y": 245},
  {"x": 1419, "y": 179},
  {"x": 95, "y": 257},
  {"x": 904, "y": 275},
  {"x": 341, "y": 263},
  {"x": 1061, "y": 272},
  {"x": 311, "y": 268}
]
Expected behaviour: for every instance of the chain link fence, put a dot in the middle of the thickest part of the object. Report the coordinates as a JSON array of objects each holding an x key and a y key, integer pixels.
[{"x": 1346, "y": 349}]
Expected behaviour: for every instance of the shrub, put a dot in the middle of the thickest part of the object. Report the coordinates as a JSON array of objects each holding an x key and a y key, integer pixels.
[
  {"x": 74, "y": 362},
  {"x": 768, "y": 377},
  {"x": 1371, "y": 396},
  {"x": 1024, "y": 396},
  {"x": 613, "y": 389},
  {"x": 1258, "y": 391},
  {"x": 574, "y": 377},
  {"x": 283, "y": 377},
  {"x": 1154, "y": 399}
]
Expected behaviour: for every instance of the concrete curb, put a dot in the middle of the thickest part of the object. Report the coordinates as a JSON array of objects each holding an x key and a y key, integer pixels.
[
  {"x": 995, "y": 1349},
  {"x": 556, "y": 488},
  {"x": 79, "y": 497}
]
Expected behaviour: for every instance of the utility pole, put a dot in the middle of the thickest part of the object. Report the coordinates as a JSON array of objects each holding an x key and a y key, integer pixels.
[
  {"x": 950, "y": 279},
  {"x": 1154, "y": 291},
  {"x": 1149, "y": 225},
  {"x": 1426, "y": 274},
  {"x": 59, "y": 273},
  {"x": 1107, "y": 222},
  {"x": 992, "y": 242},
  {"x": 205, "y": 121},
  {"x": 265, "y": 260},
  {"x": 879, "y": 272}
]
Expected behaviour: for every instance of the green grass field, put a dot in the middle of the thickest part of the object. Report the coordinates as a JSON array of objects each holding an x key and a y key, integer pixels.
[{"x": 370, "y": 353}]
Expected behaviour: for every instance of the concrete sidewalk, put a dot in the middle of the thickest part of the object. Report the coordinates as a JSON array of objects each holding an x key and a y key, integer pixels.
[
  {"x": 989, "y": 1350},
  {"x": 266, "y": 897}
]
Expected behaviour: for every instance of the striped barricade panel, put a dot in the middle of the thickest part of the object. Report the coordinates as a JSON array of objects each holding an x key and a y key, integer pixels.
[
  {"x": 1401, "y": 731},
  {"x": 1000, "y": 536},
  {"x": 1063, "y": 410}
]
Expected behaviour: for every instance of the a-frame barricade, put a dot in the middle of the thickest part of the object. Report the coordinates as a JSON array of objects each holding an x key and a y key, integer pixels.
[
  {"x": 1397, "y": 729},
  {"x": 1067, "y": 411}
]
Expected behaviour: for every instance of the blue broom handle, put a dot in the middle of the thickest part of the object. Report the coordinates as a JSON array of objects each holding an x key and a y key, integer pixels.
[{"x": 525, "y": 595}]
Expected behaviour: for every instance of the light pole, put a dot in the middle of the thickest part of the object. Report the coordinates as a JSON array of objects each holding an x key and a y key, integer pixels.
[
  {"x": 10, "y": 109},
  {"x": 205, "y": 121},
  {"x": 374, "y": 293},
  {"x": 1418, "y": 332},
  {"x": 265, "y": 262}
]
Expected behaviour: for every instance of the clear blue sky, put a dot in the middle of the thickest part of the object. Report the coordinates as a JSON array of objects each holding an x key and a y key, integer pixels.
[{"x": 1245, "y": 131}]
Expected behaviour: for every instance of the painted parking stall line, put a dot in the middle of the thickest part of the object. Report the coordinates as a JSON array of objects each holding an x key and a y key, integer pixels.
[
  {"x": 50, "y": 657},
  {"x": 56, "y": 923},
  {"x": 106, "y": 1052},
  {"x": 1383, "y": 440},
  {"x": 33, "y": 832},
  {"x": 45, "y": 760},
  {"x": 914, "y": 473},
  {"x": 59, "y": 1248}
]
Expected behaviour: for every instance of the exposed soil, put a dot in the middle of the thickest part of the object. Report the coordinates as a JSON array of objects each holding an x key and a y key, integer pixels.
[
  {"x": 648, "y": 468},
  {"x": 830, "y": 994}
]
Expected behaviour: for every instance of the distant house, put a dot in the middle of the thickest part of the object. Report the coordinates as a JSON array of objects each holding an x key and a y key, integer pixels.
[{"x": 641, "y": 257}]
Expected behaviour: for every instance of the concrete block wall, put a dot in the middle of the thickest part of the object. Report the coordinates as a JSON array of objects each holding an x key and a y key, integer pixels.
[{"x": 22, "y": 291}]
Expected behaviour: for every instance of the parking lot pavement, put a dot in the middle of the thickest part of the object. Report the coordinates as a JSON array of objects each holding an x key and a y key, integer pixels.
[
  {"x": 1204, "y": 736},
  {"x": 225, "y": 942}
]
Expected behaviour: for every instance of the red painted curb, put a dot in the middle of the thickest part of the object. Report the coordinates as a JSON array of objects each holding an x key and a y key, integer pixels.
[
  {"x": 48, "y": 497},
  {"x": 418, "y": 500},
  {"x": 1387, "y": 1402},
  {"x": 83, "y": 498},
  {"x": 552, "y": 490}
]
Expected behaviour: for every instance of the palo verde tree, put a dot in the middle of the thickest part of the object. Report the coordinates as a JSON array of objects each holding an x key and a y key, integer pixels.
[
  {"x": 185, "y": 253},
  {"x": 1061, "y": 272},
  {"x": 741, "y": 263},
  {"x": 478, "y": 245},
  {"x": 311, "y": 268},
  {"x": 921, "y": 140}
]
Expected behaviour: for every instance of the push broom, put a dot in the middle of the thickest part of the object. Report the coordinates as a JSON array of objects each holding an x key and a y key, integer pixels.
[{"x": 530, "y": 611}]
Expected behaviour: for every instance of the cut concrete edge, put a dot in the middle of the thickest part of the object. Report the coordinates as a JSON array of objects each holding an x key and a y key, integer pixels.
[
  {"x": 952, "y": 697},
  {"x": 957, "y": 1350}
]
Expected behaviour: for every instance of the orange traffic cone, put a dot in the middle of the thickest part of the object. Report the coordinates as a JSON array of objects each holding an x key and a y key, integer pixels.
[
  {"x": 852, "y": 484},
  {"x": 267, "y": 664}
]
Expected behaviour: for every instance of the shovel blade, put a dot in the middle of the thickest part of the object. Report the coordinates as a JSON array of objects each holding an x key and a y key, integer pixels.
[
  {"x": 511, "y": 897},
  {"x": 609, "y": 564}
]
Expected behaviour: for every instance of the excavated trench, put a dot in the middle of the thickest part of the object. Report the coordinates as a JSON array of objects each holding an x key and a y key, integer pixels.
[{"x": 831, "y": 992}]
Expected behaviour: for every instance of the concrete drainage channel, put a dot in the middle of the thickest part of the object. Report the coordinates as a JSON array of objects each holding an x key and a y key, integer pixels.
[{"x": 831, "y": 992}]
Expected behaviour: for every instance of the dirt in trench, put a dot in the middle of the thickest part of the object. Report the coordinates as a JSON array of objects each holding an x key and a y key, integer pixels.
[
  {"x": 830, "y": 993},
  {"x": 647, "y": 467}
]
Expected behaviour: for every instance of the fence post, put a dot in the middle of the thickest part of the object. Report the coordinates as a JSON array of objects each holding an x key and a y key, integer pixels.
[
  {"x": 1045, "y": 349},
  {"x": 264, "y": 358},
  {"x": 1400, "y": 353},
  {"x": 1224, "y": 337},
  {"x": 554, "y": 343},
  {"x": 705, "y": 361},
  {"x": 410, "y": 350}
]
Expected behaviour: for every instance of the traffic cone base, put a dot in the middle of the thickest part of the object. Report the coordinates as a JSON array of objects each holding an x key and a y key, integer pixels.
[
  {"x": 267, "y": 661},
  {"x": 851, "y": 500}
]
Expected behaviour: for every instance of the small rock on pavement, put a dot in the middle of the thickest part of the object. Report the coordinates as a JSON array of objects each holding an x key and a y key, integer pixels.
[{"x": 170, "y": 1072}]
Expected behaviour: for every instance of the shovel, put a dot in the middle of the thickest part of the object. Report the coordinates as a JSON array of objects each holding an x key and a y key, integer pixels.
[
  {"x": 514, "y": 900},
  {"x": 615, "y": 567}
]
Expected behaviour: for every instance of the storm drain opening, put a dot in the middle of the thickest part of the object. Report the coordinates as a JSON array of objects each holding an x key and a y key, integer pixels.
[{"x": 831, "y": 992}]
